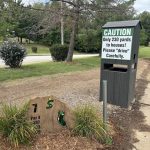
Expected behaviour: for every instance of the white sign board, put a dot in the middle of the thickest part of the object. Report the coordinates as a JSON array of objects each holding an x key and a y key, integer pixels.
[{"x": 117, "y": 43}]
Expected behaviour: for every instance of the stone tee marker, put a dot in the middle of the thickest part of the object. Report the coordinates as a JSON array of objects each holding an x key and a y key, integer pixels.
[
  {"x": 120, "y": 45},
  {"x": 50, "y": 114}
]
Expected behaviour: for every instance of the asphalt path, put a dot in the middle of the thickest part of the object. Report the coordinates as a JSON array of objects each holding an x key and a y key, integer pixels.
[{"x": 39, "y": 59}]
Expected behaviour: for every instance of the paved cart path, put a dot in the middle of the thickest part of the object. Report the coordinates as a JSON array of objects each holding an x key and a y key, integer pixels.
[
  {"x": 39, "y": 59},
  {"x": 143, "y": 133}
]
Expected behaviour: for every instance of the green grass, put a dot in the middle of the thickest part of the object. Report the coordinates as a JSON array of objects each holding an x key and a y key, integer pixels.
[
  {"x": 41, "y": 49},
  {"x": 48, "y": 68},
  {"x": 144, "y": 52},
  {"x": 14, "y": 125},
  {"x": 88, "y": 123}
]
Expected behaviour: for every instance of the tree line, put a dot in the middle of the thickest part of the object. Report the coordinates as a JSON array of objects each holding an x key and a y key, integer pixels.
[{"x": 77, "y": 23}]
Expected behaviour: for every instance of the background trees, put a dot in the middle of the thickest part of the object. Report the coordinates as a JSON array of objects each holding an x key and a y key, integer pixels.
[
  {"x": 83, "y": 21},
  {"x": 9, "y": 13},
  {"x": 145, "y": 34}
]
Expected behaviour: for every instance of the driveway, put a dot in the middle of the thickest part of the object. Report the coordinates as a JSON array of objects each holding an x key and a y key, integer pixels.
[{"x": 38, "y": 59}]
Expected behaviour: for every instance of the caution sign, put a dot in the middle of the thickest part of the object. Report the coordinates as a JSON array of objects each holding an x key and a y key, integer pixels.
[
  {"x": 50, "y": 114},
  {"x": 117, "y": 43}
]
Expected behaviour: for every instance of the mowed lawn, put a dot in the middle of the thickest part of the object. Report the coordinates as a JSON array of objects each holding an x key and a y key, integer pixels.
[
  {"x": 144, "y": 52},
  {"x": 41, "y": 49},
  {"x": 48, "y": 68}
]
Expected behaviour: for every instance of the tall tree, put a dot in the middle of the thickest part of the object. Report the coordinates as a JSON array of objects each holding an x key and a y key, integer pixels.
[
  {"x": 145, "y": 19},
  {"x": 28, "y": 19},
  {"x": 9, "y": 13},
  {"x": 91, "y": 8}
]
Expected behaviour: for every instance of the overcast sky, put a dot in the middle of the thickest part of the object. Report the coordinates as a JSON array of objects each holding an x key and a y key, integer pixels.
[{"x": 140, "y": 5}]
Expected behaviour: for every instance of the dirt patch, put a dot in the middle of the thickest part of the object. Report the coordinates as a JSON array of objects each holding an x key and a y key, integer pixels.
[{"x": 72, "y": 88}]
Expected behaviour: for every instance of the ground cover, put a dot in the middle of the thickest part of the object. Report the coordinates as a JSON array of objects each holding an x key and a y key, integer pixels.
[
  {"x": 144, "y": 52},
  {"x": 48, "y": 68},
  {"x": 41, "y": 49}
]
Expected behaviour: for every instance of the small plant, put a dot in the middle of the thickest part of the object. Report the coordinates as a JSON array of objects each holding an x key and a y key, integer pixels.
[
  {"x": 34, "y": 49},
  {"x": 88, "y": 123},
  {"x": 15, "y": 126},
  {"x": 59, "y": 52},
  {"x": 12, "y": 53}
]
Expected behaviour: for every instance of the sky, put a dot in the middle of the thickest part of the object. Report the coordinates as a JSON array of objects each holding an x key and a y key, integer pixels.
[{"x": 140, "y": 5}]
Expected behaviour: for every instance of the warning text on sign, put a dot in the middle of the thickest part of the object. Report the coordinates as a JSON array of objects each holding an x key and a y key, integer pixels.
[{"x": 116, "y": 45}]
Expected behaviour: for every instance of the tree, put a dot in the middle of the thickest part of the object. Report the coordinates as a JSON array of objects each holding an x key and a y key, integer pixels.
[
  {"x": 27, "y": 26},
  {"x": 91, "y": 8},
  {"x": 143, "y": 38},
  {"x": 41, "y": 21},
  {"x": 145, "y": 19},
  {"x": 9, "y": 13}
]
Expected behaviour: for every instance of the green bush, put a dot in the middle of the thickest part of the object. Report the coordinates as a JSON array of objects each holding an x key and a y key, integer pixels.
[
  {"x": 15, "y": 126},
  {"x": 88, "y": 123},
  {"x": 12, "y": 53},
  {"x": 59, "y": 52},
  {"x": 34, "y": 49}
]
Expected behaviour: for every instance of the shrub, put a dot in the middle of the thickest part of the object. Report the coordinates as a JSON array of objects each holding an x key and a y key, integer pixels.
[
  {"x": 88, "y": 123},
  {"x": 15, "y": 126},
  {"x": 34, "y": 49},
  {"x": 12, "y": 53},
  {"x": 59, "y": 52}
]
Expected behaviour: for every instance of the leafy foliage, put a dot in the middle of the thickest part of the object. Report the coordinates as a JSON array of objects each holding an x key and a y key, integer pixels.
[
  {"x": 53, "y": 37},
  {"x": 143, "y": 38},
  {"x": 88, "y": 123},
  {"x": 40, "y": 22},
  {"x": 15, "y": 126},
  {"x": 89, "y": 42},
  {"x": 59, "y": 52},
  {"x": 12, "y": 53},
  {"x": 145, "y": 20}
]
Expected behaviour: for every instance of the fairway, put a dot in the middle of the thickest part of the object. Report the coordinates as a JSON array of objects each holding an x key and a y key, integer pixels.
[{"x": 41, "y": 49}]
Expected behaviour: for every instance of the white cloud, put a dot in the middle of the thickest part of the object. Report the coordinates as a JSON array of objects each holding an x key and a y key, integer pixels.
[{"x": 142, "y": 5}]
